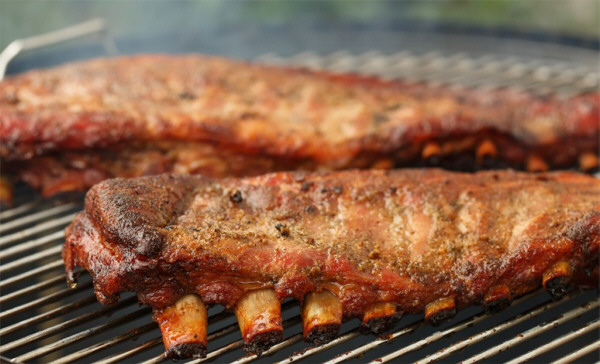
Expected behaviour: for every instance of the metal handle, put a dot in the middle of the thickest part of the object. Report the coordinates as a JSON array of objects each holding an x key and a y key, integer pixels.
[{"x": 93, "y": 26}]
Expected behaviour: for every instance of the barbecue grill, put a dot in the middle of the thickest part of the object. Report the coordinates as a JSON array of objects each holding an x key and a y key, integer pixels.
[{"x": 43, "y": 320}]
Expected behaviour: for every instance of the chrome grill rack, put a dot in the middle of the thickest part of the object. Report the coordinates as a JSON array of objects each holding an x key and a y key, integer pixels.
[{"x": 44, "y": 320}]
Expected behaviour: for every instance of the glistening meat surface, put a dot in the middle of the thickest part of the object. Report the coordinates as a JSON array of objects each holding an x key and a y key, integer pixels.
[
  {"x": 362, "y": 243},
  {"x": 130, "y": 105}
]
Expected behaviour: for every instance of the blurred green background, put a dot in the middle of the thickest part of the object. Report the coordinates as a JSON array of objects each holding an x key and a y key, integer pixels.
[{"x": 21, "y": 18}]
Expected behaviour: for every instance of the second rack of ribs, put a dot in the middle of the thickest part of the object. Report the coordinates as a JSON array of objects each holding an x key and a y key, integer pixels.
[
  {"x": 69, "y": 127},
  {"x": 369, "y": 244}
]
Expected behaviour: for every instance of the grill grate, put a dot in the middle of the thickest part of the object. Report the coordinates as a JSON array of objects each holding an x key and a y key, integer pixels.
[{"x": 43, "y": 320}]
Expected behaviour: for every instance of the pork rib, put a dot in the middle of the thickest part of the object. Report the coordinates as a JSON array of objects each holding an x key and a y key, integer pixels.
[
  {"x": 366, "y": 244},
  {"x": 82, "y": 117}
]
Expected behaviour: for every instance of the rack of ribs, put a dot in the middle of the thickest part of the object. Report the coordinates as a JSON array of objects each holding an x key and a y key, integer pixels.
[
  {"x": 69, "y": 127},
  {"x": 369, "y": 244}
]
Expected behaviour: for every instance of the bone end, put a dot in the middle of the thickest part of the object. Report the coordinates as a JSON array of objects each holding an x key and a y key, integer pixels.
[
  {"x": 485, "y": 152},
  {"x": 431, "y": 153},
  {"x": 183, "y": 328},
  {"x": 321, "y": 317},
  {"x": 186, "y": 351},
  {"x": 6, "y": 193},
  {"x": 380, "y": 317},
  {"x": 262, "y": 342},
  {"x": 440, "y": 311},
  {"x": 536, "y": 164},
  {"x": 497, "y": 298},
  {"x": 385, "y": 163},
  {"x": 259, "y": 317},
  {"x": 557, "y": 279},
  {"x": 588, "y": 162}
]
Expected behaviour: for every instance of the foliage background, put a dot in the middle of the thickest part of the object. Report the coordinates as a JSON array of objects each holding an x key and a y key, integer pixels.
[{"x": 21, "y": 18}]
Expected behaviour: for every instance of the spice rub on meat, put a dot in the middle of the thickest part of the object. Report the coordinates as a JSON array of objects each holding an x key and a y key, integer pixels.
[
  {"x": 147, "y": 114},
  {"x": 366, "y": 244}
]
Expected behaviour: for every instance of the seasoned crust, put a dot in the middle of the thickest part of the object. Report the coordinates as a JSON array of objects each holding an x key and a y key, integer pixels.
[
  {"x": 407, "y": 237},
  {"x": 277, "y": 111}
]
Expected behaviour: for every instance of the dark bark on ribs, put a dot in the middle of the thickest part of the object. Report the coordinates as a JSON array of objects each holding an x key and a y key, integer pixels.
[
  {"x": 423, "y": 240},
  {"x": 112, "y": 114}
]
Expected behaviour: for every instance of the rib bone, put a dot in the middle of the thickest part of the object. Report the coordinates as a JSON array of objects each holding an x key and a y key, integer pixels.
[
  {"x": 183, "y": 327},
  {"x": 536, "y": 164},
  {"x": 380, "y": 317},
  {"x": 485, "y": 149},
  {"x": 431, "y": 151},
  {"x": 321, "y": 317},
  {"x": 440, "y": 310},
  {"x": 497, "y": 298},
  {"x": 588, "y": 161},
  {"x": 6, "y": 192},
  {"x": 259, "y": 317},
  {"x": 557, "y": 279}
]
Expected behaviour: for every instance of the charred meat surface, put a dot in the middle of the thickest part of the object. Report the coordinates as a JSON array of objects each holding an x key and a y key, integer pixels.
[
  {"x": 372, "y": 244},
  {"x": 105, "y": 118}
]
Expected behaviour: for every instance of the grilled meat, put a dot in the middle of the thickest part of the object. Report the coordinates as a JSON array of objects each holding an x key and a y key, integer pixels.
[
  {"x": 74, "y": 171},
  {"x": 116, "y": 115},
  {"x": 366, "y": 244}
]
